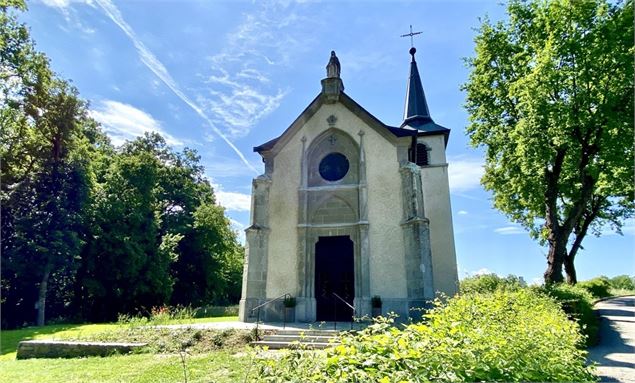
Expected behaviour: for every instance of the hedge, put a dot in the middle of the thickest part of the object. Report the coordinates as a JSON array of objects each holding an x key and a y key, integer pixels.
[{"x": 577, "y": 303}]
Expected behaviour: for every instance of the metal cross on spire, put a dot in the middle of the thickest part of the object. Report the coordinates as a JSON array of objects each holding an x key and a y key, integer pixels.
[{"x": 411, "y": 34}]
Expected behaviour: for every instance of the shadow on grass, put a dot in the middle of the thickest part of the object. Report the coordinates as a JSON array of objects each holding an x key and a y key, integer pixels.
[{"x": 9, "y": 339}]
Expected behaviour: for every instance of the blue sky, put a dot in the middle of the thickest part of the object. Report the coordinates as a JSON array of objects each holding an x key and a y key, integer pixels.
[{"x": 225, "y": 76}]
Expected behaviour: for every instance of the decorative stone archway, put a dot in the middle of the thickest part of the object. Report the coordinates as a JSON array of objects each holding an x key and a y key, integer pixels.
[{"x": 332, "y": 208}]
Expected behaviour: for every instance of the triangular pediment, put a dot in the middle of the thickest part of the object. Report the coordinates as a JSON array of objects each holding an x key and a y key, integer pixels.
[{"x": 390, "y": 133}]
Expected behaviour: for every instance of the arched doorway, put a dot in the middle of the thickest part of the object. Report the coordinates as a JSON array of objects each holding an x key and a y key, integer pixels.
[{"x": 334, "y": 274}]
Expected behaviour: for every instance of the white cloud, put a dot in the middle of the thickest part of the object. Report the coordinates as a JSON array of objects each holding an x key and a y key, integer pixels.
[
  {"x": 483, "y": 271},
  {"x": 70, "y": 15},
  {"x": 62, "y": 4},
  {"x": 223, "y": 167},
  {"x": 156, "y": 66},
  {"x": 125, "y": 122},
  {"x": 56, "y": 3},
  {"x": 465, "y": 174},
  {"x": 236, "y": 224},
  {"x": 239, "y": 228},
  {"x": 509, "y": 230},
  {"x": 462, "y": 212},
  {"x": 233, "y": 201},
  {"x": 243, "y": 93},
  {"x": 241, "y": 106}
]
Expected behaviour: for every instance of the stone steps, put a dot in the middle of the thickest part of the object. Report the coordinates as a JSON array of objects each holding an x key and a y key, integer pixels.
[{"x": 306, "y": 339}]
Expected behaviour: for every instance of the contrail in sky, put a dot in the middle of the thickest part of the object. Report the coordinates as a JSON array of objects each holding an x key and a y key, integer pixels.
[{"x": 150, "y": 60}]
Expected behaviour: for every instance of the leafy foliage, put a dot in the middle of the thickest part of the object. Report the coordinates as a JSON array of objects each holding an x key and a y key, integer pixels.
[
  {"x": 488, "y": 283},
  {"x": 623, "y": 282},
  {"x": 47, "y": 141},
  {"x": 90, "y": 231},
  {"x": 503, "y": 336},
  {"x": 577, "y": 303},
  {"x": 598, "y": 287},
  {"x": 550, "y": 99}
]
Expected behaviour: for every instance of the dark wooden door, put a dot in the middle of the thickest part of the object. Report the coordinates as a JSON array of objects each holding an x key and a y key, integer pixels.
[{"x": 334, "y": 273}]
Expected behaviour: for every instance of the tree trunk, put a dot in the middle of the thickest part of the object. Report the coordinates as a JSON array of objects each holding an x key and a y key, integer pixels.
[
  {"x": 569, "y": 269},
  {"x": 41, "y": 302},
  {"x": 555, "y": 260}
]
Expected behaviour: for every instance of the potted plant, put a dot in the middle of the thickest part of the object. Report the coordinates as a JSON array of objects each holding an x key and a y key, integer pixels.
[
  {"x": 375, "y": 303},
  {"x": 289, "y": 308}
]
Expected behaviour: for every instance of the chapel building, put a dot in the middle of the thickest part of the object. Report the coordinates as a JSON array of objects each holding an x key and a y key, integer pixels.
[{"x": 349, "y": 208}]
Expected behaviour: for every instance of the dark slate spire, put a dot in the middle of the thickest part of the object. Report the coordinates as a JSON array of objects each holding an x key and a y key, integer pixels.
[{"x": 416, "y": 111}]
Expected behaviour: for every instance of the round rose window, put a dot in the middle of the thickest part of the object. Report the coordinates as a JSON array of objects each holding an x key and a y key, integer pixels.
[{"x": 334, "y": 166}]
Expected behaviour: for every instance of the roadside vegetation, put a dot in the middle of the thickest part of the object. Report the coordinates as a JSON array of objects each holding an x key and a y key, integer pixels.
[
  {"x": 576, "y": 301},
  {"x": 520, "y": 335},
  {"x": 604, "y": 287}
]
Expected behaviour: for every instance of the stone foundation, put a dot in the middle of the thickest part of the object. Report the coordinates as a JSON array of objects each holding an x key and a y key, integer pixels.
[{"x": 28, "y": 349}]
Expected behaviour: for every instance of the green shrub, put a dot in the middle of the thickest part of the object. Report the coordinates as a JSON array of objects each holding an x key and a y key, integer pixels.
[
  {"x": 289, "y": 302},
  {"x": 488, "y": 283},
  {"x": 577, "y": 303},
  {"x": 623, "y": 282},
  {"x": 216, "y": 311},
  {"x": 598, "y": 287},
  {"x": 501, "y": 336},
  {"x": 158, "y": 316}
]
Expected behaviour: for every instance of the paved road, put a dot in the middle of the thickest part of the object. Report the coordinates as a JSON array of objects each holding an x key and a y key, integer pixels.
[{"x": 615, "y": 353}]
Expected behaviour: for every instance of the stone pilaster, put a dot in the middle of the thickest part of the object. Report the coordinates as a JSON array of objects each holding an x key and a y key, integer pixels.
[
  {"x": 418, "y": 256},
  {"x": 305, "y": 303},
  {"x": 254, "y": 289},
  {"x": 362, "y": 292}
]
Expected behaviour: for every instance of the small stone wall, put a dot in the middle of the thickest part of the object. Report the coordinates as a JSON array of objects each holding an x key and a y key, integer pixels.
[{"x": 66, "y": 349}]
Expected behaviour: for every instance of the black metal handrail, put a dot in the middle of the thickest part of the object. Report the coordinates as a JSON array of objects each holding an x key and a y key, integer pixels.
[
  {"x": 347, "y": 304},
  {"x": 284, "y": 316}
]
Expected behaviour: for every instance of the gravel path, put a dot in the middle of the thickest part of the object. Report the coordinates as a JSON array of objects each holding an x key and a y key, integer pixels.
[{"x": 615, "y": 354}]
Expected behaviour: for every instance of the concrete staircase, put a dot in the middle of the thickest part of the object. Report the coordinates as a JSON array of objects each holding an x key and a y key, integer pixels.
[{"x": 309, "y": 339}]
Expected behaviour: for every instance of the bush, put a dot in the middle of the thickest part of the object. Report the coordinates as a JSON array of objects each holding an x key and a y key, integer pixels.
[
  {"x": 623, "y": 282},
  {"x": 577, "y": 303},
  {"x": 158, "y": 316},
  {"x": 216, "y": 311},
  {"x": 598, "y": 287},
  {"x": 502, "y": 336},
  {"x": 488, "y": 283}
]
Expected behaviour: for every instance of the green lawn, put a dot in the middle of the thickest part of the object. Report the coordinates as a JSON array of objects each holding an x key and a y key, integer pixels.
[
  {"x": 9, "y": 339},
  {"x": 218, "y": 366},
  {"x": 214, "y": 366}
]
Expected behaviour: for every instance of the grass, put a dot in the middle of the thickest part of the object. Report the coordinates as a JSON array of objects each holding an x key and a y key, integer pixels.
[
  {"x": 218, "y": 366},
  {"x": 211, "y": 355},
  {"x": 9, "y": 339}
]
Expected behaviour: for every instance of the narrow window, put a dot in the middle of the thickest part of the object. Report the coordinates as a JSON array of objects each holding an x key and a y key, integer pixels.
[{"x": 422, "y": 155}]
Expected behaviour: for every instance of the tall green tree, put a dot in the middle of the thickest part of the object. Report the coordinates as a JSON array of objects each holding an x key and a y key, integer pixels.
[
  {"x": 44, "y": 170},
  {"x": 125, "y": 263},
  {"x": 89, "y": 228},
  {"x": 156, "y": 235},
  {"x": 550, "y": 98}
]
